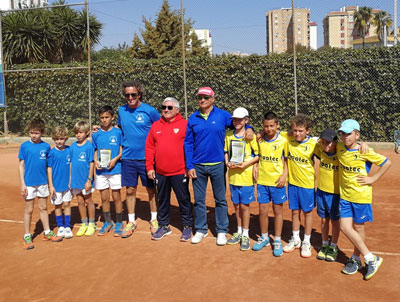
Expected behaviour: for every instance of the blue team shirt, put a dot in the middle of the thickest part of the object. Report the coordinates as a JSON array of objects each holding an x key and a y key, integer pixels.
[
  {"x": 135, "y": 125},
  {"x": 35, "y": 161},
  {"x": 59, "y": 161},
  {"x": 204, "y": 140},
  {"x": 110, "y": 140},
  {"x": 81, "y": 157}
]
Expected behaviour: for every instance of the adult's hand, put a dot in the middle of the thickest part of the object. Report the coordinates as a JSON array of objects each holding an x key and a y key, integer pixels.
[
  {"x": 151, "y": 174},
  {"x": 192, "y": 173}
]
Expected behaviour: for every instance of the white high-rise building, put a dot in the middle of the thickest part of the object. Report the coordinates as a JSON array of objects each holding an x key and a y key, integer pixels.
[
  {"x": 204, "y": 35},
  {"x": 18, "y": 4},
  {"x": 313, "y": 35}
]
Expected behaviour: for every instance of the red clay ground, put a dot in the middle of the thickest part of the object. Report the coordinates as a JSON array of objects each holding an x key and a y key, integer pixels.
[{"x": 139, "y": 269}]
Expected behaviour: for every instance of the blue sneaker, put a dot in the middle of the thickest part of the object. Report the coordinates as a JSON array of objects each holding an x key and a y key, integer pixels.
[
  {"x": 278, "y": 251},
  {"x": 186, "y": 233},
  {"x": 352, "y": 266},
  {"x": 372, "y": 267},
  {"x": 107, "y": 227},
  {"x": 161, "y": 232},
  {"x": 118, "y": 229},
  {"x": 261, "y": 243}
]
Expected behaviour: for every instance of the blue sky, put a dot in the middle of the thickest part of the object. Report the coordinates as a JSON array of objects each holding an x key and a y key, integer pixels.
[{"x": 235, "y": 25}]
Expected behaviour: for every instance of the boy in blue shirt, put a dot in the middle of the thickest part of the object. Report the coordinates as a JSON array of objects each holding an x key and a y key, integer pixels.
[
  {"x": 82, "y": 167},
  {"x": 107, "y": 143},
  {"x": 58, "y": 174},
  {"x": 33, "y": 178}
]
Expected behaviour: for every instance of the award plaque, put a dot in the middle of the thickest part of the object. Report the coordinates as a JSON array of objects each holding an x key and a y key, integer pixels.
[
  {"x": 237, "y": 151},
  {"x": 105, "y": 158}
]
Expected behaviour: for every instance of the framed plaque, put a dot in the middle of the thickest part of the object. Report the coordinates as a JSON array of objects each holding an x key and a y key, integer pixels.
[
  {"x": 237, "y": 151},
  {"x": 105, "y": 158}
]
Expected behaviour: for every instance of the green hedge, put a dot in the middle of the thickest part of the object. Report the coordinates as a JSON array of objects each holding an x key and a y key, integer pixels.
[{"x": 332, "y": 85}]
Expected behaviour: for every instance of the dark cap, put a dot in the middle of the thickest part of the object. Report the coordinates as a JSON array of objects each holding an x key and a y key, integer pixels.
[{"x": 329, "y": 135}]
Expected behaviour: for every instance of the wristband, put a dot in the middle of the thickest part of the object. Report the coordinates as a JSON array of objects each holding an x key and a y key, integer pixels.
[{"x": 90, "y": 178}]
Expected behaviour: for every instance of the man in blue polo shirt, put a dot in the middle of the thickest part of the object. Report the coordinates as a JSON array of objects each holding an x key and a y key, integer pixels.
[
  {"x": 135, "y": 120},
  {"x": 204, "y": 151}
]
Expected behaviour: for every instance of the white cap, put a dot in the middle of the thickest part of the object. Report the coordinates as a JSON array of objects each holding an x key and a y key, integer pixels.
[{"x": 240, "y": 113}]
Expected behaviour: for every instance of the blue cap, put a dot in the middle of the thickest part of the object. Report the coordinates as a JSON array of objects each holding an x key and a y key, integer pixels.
[{"x": 348, "y": 126}]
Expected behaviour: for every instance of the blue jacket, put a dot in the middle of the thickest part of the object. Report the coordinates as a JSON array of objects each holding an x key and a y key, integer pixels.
[{"x": 204, "y": 140}]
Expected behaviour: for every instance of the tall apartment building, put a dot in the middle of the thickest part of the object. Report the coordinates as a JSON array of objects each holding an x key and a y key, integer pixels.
[
  {"x": 18, "y": 4},
  {"x": 205, "y": 36},
  {"x": 280, "y": 30},
  {"x": 339, "y": 28}
]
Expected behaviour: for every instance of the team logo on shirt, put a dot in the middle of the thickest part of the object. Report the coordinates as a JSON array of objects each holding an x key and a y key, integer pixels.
[
  {"x": 274, "y": 147},
  {"x": 139, "y": 118},
  {"x": 68, "y": 158},
  {"x": 82, "y": 156},
  {"x": 176, "y": 130},
  {"x": 113, "y": 140},
  {"x": 42, "y": 154},
  {"x": 305, "y": 148}
]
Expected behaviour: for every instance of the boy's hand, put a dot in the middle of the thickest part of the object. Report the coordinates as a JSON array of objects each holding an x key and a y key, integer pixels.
[
  {"x": 260, "y": 135},
  {"x": 52, "y": 192},
  {"x": 95, "y": 128},
  {"x": 364, "y": 148},
  {"x": 255, "y": 172},
  {"x": 88, "y": 185},
  {"x": 365, "y": 180},
  {"x": 112, "y": 164},
  {"x": 249, "y": 134},
  {"x": 281, "y": 181},
  {"x": 97, "y": 165},
  {"x": 151, "y": 174},
  {"x": 24, "y": 191}
]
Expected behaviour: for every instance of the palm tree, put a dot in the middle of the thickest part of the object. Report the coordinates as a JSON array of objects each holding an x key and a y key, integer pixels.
[
  {"x": 362, "y": 19},
  {"x": 380, "y": 20}
]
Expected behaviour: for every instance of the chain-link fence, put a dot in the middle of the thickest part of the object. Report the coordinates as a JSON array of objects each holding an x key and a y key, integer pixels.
[{"x": 332, "y": 85}]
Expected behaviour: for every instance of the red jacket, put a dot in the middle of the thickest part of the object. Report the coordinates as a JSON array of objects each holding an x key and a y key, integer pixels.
[{"x": 164, "y": 143}]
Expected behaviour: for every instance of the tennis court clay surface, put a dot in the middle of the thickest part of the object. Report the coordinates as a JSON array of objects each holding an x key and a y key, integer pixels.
[{"x": 139, "y": 269}]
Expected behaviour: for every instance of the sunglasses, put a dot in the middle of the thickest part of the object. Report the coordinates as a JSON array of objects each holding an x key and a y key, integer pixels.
[
  {"x": 205, "y": 97},
  {"x": 133, "y": 95},
  {"x": 163, "y": 107}
]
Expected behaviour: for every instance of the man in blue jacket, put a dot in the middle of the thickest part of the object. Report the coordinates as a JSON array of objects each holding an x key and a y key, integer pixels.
[{"x": 204, "y": 151}]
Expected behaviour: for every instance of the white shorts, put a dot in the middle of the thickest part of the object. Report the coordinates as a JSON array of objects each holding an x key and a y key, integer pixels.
[
  {"x": 65, "y": 196},
  {"x": 83, "y": 191},
  {"x": 112, "y": 181},
  {"x": 37, "y": 191}
]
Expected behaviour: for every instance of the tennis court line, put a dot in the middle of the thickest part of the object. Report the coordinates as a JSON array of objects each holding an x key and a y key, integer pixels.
[{"x": 213, "y": 238}]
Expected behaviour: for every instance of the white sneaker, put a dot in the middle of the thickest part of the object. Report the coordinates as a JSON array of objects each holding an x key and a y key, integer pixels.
[
  {"x": 198, "y": 237},
  {"x": 68, "y": 233},
  {"x": 292, "y": 244},
  {"x": 61, "y": 232},
  {"x": 221, "y": 239},
  {"x": 305, "y": 249}
]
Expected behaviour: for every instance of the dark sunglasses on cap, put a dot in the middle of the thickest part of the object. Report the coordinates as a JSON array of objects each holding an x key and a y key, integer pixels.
[
  {"x": 163, "y": 107},
  {"x": 133, "y": 95},
  {"x": 205, "y": 97}
]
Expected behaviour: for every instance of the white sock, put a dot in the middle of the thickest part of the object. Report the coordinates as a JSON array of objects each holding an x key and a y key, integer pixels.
[
  {"x": 153, "y": 216},
  {"x": 307, "y": 238},
  {"x": 46, "y": 232},
  {"x": 296, "y": 235},
  {"x": 265, "y": 235},
  {"x": 369, "y": 257},
  {"x": 277, "y": 238},
  {"x": 333, "y": 244},
  {"x": 324, "y": 242},
  {"x": 27, "y": 235},
  {"x": 131, "y": 217},
  {"x": 245, "y": 233},
  {"x": 240, "y": 230}
]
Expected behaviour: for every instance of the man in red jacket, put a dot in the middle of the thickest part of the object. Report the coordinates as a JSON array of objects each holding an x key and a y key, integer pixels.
[{"x": 164, "y": 150}]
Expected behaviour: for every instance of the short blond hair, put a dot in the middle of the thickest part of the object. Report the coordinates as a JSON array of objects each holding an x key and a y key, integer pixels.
[
  {"x": 81, "y": 126},
  {"x": 59, "y": 132}
]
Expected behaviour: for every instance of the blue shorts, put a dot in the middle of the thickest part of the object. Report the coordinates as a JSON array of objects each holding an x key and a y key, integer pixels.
[
  {"x": 242, "y": 194},
  {"x": 360, "y": 212},
  {"x": 301, "y": 198},
  {"x": 131, "y": 170},
  {"x": 265, "y": 194},
  {"x": 327, "y": 204}
]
